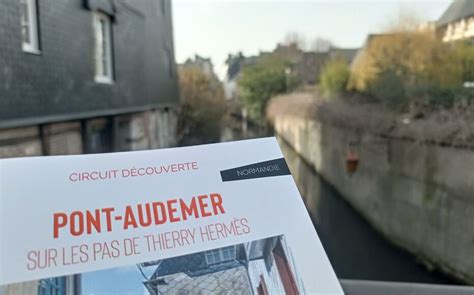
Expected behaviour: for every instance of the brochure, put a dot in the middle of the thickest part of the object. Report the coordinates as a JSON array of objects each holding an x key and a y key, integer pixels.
[{"x": 213, "y": 219}]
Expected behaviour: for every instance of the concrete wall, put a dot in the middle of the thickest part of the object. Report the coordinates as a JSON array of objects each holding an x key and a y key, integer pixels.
[{"x": 419, "y": 196}]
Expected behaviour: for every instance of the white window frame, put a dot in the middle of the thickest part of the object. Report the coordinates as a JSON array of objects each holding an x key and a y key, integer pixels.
[
  {"x": 103, "y": 59},
  {"x": 221, "y": 255},
  {"x": 30, "y": 20}
]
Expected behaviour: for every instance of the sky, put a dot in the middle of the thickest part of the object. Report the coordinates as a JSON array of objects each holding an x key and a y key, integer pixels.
[
  {"x": 215, "y": 28},
  {"x": 125, "y": 280}
]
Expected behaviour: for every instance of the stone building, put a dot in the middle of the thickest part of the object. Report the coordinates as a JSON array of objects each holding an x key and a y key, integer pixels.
[
  {"x": 457, "y": 22},
  {"x": 84, "y": 76}
]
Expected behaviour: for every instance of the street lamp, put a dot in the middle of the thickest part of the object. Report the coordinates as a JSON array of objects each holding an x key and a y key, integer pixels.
[{"x": 287, "y": 78}]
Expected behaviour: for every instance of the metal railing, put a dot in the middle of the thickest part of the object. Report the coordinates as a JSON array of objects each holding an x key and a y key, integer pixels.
[{"x": 359, "y": 287}]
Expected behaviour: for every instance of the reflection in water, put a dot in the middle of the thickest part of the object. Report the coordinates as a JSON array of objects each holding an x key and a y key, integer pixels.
[{"x": 355, "y": 249}]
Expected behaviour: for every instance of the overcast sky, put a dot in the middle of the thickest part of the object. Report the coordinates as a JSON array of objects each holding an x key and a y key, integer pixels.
[{"x": 214, "y": 28}]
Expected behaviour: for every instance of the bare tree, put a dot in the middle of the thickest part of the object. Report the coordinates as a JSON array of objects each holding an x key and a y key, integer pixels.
[
  {"x": 320, "y": 44},
  {"x": 295, "y": 38},
  {"x": 406, "y": 20}
]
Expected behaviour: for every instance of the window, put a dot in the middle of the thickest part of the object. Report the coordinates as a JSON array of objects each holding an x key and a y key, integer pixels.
[
  {"x": 103, "y": 48},
  {"x": 29, "y": 26},
  {"x": 163, "y": 6},
  {"x": 52, "y": 286},
  {"x": 97, "y": 136},
  {"x": 220, "y": 255}
]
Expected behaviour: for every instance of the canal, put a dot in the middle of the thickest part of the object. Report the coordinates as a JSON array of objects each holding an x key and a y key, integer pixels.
[{"x": 355, "y": 249}]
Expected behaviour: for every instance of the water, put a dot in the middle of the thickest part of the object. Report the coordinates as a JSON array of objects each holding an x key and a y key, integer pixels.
[{"x": 355, "y": 249}]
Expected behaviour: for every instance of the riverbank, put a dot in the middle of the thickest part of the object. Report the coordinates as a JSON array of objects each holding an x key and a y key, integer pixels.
[
  {"x": 418, "y": 194},
  {"x": 338, "y": 224}
]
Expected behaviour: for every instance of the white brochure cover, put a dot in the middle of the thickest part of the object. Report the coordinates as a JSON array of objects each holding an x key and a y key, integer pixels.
[{"x": 222, "y": 218}]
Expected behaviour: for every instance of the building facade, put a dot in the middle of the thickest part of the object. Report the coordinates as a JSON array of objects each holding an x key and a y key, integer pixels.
[
  {"x": 457, "y": 22},
  {"x": 84, "y": 76}
]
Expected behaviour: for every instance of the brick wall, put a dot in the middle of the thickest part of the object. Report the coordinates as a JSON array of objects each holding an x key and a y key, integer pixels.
[
  {"x": 62, "y": 139},
  {"x": 20, "y": 142},
  {"x": 138, "y": 131}
]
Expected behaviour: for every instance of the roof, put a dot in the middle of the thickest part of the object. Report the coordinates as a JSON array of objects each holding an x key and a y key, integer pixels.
[
  {"x": 232, "y": 280},
  {"x": 457, "y": 10},
  {"x": 195, "y": 264},
  {"x": 346, "y": 53}
]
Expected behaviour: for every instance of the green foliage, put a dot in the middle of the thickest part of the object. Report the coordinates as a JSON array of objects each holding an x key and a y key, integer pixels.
[
  {"x": 388, "y": 88},
  {"x": 260, "y": 81},
  {"x": 465, "y": 54},
  {"x": 202, "y": 107},
  {"x": 411, "y": 66},
  {"x": 447, "y": 97},
  {"x": 334, "y": 76}
]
